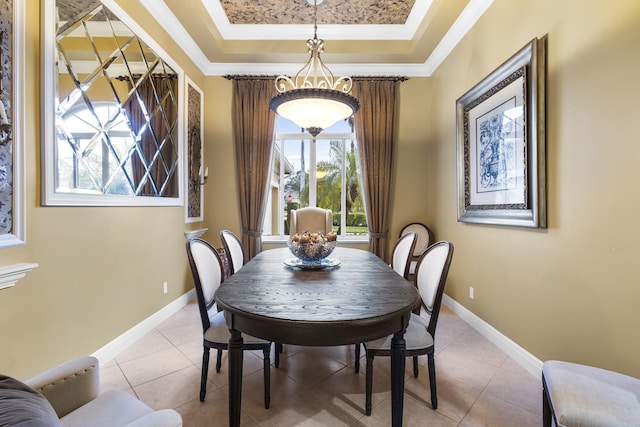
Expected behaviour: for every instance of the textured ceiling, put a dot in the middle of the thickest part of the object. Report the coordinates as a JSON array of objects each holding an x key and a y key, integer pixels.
[
  {"x": 340, "y": 12},
  {"x": 362, "y": 37}
]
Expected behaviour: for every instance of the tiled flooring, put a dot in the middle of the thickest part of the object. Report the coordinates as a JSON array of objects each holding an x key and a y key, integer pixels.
[{"x": 478, "y": 385}]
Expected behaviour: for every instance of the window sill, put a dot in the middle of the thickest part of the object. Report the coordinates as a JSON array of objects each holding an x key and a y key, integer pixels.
[{"x": 10, "y": 274}]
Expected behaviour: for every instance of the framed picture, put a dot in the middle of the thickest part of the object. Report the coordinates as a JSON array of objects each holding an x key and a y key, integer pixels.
[
  {"x": 12, "y": 94},
  {"x": 196, "y": 171},
  {"x": 501, "y": 143}
]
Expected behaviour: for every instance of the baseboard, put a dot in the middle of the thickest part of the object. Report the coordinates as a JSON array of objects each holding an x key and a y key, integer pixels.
[
  {"x": 112, "y": 349},
  {"x": 529, "y": 362}
]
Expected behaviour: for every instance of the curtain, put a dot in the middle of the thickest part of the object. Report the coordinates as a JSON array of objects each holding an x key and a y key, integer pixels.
[
  {"x": 156, "y": 151},
  {"x": 253, "y": 126},
  {"x": 376, "y": 132}
]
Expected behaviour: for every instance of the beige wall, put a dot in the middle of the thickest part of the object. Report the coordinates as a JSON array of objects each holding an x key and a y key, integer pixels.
[
  {"x": 570, "y": 291},
  {"x": 101, "y": 269}
]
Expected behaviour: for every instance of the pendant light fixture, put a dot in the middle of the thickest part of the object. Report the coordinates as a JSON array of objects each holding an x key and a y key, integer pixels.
[{"x": 314, "y": 99}]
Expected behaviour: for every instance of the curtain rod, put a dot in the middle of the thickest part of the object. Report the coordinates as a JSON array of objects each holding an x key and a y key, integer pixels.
[
  {"x": 248, "y": 77},
  {"x": 358, "y": 78},
  {"x": 138, "y": 75}
]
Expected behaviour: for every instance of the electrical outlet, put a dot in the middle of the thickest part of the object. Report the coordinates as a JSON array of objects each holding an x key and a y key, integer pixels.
[
  {"x": 470, "y": 292},
  {"x": 165, "y": 287}
]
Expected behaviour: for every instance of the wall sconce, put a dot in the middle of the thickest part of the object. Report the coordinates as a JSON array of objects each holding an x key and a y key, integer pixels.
[{"x": 202, "y": 179}]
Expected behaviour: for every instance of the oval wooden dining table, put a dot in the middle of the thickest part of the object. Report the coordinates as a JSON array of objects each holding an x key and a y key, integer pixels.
[{"x": 359, "y": 300}]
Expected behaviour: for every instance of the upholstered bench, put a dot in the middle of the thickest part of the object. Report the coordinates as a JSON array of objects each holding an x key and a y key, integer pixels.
[{"x": 580, "y": 396}]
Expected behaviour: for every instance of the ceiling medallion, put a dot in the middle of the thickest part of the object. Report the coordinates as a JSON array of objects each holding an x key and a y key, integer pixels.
[{"x": 314, "y": 99}]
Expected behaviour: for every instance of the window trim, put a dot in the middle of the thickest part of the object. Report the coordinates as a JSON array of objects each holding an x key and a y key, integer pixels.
[{"x": 343, "y": 136}]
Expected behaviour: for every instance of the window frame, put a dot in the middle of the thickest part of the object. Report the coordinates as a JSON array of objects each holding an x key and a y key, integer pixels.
[{"x": 281, "y": 137}]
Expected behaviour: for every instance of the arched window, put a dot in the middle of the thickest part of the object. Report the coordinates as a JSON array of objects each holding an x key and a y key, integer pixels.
[{"x": 93, "y": 151}]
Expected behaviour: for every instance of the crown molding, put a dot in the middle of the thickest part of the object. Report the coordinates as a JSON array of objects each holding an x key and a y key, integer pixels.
[{"x": 467, "y": 19}]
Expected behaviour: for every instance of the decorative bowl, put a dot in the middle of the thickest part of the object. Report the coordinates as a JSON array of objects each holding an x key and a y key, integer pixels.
[{"x": 312, "y": 247}]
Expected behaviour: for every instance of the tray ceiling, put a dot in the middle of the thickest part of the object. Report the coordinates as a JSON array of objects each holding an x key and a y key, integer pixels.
[{"x": 362, "y": 37}]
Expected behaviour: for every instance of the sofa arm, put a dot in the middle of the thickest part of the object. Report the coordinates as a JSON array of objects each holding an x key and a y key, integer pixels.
[
  {"x": 69, "y": 385},
  {"x": 161, "y": 418}
]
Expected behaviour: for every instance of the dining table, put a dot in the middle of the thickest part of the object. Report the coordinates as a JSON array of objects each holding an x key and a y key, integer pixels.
[{"x": 353, "y": 298}]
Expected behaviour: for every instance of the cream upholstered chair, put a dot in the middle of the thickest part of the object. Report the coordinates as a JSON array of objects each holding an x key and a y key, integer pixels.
[
  {"x": 234, "y": 253},
  {"x": 424, "y": 239},
  {"x": 233, "y": 249},
  {"x": 431, "y": 277},
  {"x": 310, "y": 219},
  {"x": 73, "y": 391},
  {"x": 206, "y": 268},
  {"x": 400, "y": 260},
  {"x": 579, "y": 395},
  {"x": 402, "y": 253}
]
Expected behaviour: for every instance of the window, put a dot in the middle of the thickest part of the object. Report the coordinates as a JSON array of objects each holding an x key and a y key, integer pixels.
[
  {"x": 100, "y": 167},
  {"x": 324, "y": 173}
]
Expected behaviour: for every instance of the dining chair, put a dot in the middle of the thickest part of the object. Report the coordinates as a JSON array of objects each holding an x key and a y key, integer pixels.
[
  {"x": 431, "y": 275},
  {"x": 403, "y": 252},
  {"x": 310, "y": 219},
  {"x": 206, "y": 268},
  {"x": 581, "y": 395},
  {"x": 425, "y": 238},
  {"x": 234, "y": 252},
  {"x": 233, "y": 249},
  {"x": 400, "y": 260}
]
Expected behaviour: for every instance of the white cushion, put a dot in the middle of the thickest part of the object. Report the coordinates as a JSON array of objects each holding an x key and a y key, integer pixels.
[
  {"x": 584, "y": 396},
  {"x": 416, "y": 336},
  {"x": 112, "y": 408},
  {"x": 219, "y": 331}
]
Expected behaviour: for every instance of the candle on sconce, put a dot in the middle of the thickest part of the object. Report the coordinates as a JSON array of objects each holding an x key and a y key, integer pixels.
[
  {"x": 200, "y": 172},
  {"x": 206, "y": 172},
  {"x": 3, "y": 114}
]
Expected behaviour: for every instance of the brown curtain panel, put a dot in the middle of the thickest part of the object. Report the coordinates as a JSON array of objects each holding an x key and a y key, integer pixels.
[
  {"x": 253, "y": 126},
  {"x": 376, "y": 133}
]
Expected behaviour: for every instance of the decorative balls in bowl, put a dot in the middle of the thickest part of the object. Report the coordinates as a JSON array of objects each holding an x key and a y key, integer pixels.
[{"x": 312, "y": 247}]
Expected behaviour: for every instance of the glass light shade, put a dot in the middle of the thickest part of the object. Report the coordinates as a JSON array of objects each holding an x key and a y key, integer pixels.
[{"x": 314, "y": 109}]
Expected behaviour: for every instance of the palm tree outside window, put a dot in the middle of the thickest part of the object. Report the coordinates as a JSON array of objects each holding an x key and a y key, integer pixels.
[{"x": 324, "y": 174}]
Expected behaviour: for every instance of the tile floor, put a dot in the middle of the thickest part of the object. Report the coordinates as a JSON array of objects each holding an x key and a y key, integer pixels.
[{"x": 478, "y": 385}]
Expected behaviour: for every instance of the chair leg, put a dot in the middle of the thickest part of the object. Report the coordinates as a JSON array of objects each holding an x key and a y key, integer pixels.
[
  {"x": 432, "y": 381},
  {"x": 266, "y": 351},
  {"x": 357, "y": 359},
  {"x": 276, "y": 352},
  {"x": 415, "y": 366},
  {"x": 546, "y": 406},
  {"x": 369, "y": 386},
  {"x": 205, "y": 372},
  {"x": 219, "y": 360}
]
